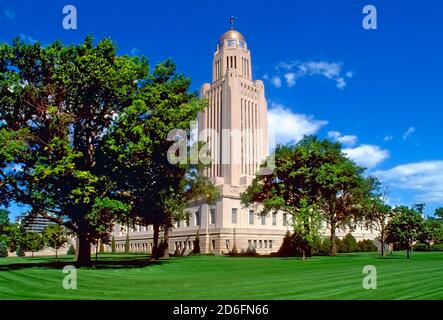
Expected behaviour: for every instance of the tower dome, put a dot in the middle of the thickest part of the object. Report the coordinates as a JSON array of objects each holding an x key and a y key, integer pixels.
[{"x": 232, "y": 34}]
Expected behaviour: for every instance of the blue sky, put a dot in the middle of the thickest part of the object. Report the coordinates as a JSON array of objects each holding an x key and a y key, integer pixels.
[{"x": 378, "y": 91}]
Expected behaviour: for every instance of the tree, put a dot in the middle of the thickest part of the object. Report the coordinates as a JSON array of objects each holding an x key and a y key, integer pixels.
[
  {"x": 350, "y": 243},
  {"x": 155, "y": 181},
  {"x": 439, "y": 213},
  {"x": 312, "y": 179},
  {"x": 32, "y": 241},
  {"x": 4, "y": 226},
  {"x": 197, "y": 242},
  {"x": 377, "y": 214},
  {"x": 55, "y": 236},
  {"x": 405, "y": 227},
  {"x": 113, "y": 244},
  {"x": 56, "y": 105},
  {"x": 432, "y": 231},
  {"x": 3, "y": 249}
]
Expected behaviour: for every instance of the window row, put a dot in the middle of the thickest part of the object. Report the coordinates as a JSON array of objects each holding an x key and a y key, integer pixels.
[{"x": 260, "y": 244}]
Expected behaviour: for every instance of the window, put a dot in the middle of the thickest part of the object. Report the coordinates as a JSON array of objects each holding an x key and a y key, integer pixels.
[
  {"x": 270, "y": 244},
  {"x": 260, "y": 244},
  {"x": 188, "y": 223},
  {"x": 228, "y": 243},
  {"x": 255, "y": 243},
  {"x": 213, "y": 244},
  {"x": 251, "y": 216},
  {"x": 274, "y": 219},
  {"x": 242, "y": 44},
  {"x": 234, "y": 215},
  {"x": 212, "y": 216},
  {"x": 197, "y": 218},
  {"x": 266, "y": 243},
  {"x": 231, "y": 43},
  {"x": 285, "y": 219},
  {"x": 249, "y": 243},
  {"x": 263, "y": 219}
]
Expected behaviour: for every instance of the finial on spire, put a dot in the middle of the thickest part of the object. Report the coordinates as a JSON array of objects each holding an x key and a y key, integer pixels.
[{"x": 231, "y": 21}]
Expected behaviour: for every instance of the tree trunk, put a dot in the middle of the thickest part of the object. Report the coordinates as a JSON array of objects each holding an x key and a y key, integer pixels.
[
  {"x": 154, "y": 254},
  {"x": 84, "y": 252},
  {"x": 333, "y": 244},
  {"x": 96, "y": 251},
  {"x": 165, "y": 253},
  {"x": 407, "y": 252},
  {"x": 382, "y": 242},
  {"x": 304, "y": 256}
]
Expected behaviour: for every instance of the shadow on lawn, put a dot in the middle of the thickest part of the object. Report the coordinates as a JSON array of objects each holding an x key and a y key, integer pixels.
[{"x": 101, "y": 263}]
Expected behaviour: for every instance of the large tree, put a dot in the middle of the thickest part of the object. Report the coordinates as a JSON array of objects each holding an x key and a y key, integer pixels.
[
  {"x": 377, "y": 213},
  {"x": 310, "y": 178},
  {"x": 56, "y": 105},
  {"x": 438, "y": 214},
  {"x": 147, "y": 168},
  {"x": 405, "y": 227}
]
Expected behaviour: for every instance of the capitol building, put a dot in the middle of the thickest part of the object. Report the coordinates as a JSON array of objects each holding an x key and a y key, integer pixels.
[{"x": 235, "y": 128}]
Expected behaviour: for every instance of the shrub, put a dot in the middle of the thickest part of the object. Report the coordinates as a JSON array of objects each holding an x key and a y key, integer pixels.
[
  {"x": 437, "y": 247},
  {"x": 341, "y": 247},
  {"x": 71, "y": 250},
  {"x": 325, "y": 246},
  {"x": 20, "y": 252},
  {"x": 3, "y": 249},
  {"x": 233, "y": 252},
  {"x": 294, "y": 245},
  {"x": 367, "y": 246},
  {"x": 350, "y": 243},
  {"x": 421, "y": 247}
]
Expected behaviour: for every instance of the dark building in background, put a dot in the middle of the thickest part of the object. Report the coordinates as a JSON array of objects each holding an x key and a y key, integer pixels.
[{"x": 33, "y": 224}]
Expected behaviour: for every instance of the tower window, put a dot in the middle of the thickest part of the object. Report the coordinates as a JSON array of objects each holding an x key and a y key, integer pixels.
[
  {"x": 251, "y": 216},
  {"x": 235, "y": 62},
  {"x": 212, "y": 215},
  {"x": 234, "y": 215}
]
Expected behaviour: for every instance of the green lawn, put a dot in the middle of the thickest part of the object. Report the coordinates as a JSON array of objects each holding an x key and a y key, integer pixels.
[{"x": 214, "y": 277}]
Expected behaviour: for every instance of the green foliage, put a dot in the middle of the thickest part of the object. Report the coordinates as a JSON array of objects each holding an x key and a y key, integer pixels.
[
  {"x": 3, "y": 249},
  {"x": 197, "y": 243},
  {"x": 55, "y": 236},
  {"x": 325, "y": 247},
  {"x": 127, "y": 242},
  {"x": 439, "y": 213},
  {"x": 421, "y": 247},
  {"x": 101, "y": 247},
  {"x": 405, "y": 227},
  {"x": 113, "y": 244},
  {"x": 437, "y": 247},
  {"x": 367, "y": 246},
  {"x": 350, "y": 243},
  {"x": 295, "y": 244},
  {"x": 312, "y": 179},
  {"x": 341, "y": 247},
  {"x": 20, "y": 251},
  {"x": 71, "y": 250}
]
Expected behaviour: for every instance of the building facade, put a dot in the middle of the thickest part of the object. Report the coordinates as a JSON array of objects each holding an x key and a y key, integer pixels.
[{"x": 234, "y": 126}]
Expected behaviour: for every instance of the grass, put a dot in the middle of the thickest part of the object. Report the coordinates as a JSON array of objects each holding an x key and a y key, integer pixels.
[{"x": 218, "y": 277}]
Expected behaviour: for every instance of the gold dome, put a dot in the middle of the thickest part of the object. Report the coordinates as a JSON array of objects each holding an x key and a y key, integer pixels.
[{"x": 232, "y": 34}]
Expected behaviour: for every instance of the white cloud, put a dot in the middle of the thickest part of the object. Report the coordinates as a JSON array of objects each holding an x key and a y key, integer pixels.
[
  {"x": 26, "y": 38},
  {"x": 265, "y": 76},
  {"x": 8, "y": 13},
  {"x": 346, "y": 140},
  {"x": 408, "y": 133},
  {"x": 367, "y": 155},
  {"x": 290, "y": 79},
  {"x": 388, "y": 138},
  {"x": 330, "y": 70},
  {"x": 276, "y": 81},
  {"x": 289, "y": 126},
  {"x": 134, "y": 51},
  {"x": 424, "y": 178}
]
